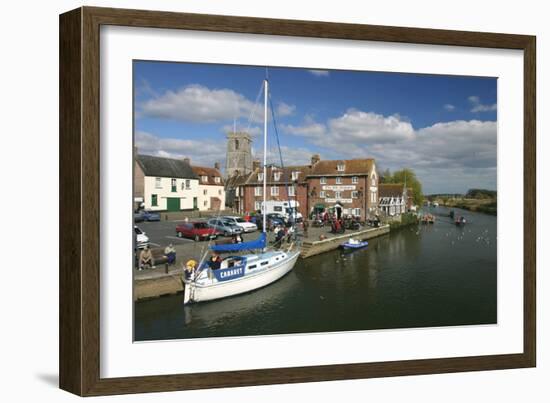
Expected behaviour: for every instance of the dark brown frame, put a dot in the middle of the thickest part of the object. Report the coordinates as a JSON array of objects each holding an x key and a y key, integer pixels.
[{"x": 79, "y": 200}]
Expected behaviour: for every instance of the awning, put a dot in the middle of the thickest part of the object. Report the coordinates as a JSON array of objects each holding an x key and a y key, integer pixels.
[{"x": 319, "y": 206}]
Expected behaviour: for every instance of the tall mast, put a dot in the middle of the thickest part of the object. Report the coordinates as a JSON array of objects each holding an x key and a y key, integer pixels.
[{"x": 265, "y": 155}]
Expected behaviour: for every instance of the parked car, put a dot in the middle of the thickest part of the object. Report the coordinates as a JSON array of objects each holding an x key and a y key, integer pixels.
[
  {"x": 138, "y": 216},
  {"x": 225, "y": 227},
  {"x": 150, "y": 215},
  {"x": 275, "y": 219},
  {"x": 142, "y": 240},
  {"x": 241, "y": 222},
  {"x": 198, "y": 230}
]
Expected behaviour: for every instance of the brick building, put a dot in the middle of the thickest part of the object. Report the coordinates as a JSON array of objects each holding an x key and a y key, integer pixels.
[
  {"x": 351, "y": 183},
  {"x": 283, "y": 184}
]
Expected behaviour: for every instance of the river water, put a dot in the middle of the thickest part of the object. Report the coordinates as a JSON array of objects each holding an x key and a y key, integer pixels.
[{"x": 430, "y": 275}]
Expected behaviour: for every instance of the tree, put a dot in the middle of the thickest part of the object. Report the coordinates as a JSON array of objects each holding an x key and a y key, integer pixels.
[
  {"x": 408, "y": 177},
  {"x": 385, "y": 176}
]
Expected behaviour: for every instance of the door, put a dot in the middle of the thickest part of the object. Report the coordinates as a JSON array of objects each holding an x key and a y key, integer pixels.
[
  {"x": 173, "y": 204},
  {"x": 195, "y": 203}
]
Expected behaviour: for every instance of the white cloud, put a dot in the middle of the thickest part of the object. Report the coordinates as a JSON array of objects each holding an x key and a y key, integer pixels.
[
  {"x": 284, "y": 109},
  {"x": 320, "y": 73},
  {"x": 477, "y": 106},
  {"x": 439, "y": 153},
  {"x": 369, "y": 126},
  {"x": 449, "y": 107},
  {"x": 199, "y": 104},
  {"x": 310, "y": 128},
  {"x": 252, "y": 130},
  {"x": 210, "y": 151}
]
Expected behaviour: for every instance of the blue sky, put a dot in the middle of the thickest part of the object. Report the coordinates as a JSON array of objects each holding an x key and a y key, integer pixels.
[{"x": 443, "y": 127}]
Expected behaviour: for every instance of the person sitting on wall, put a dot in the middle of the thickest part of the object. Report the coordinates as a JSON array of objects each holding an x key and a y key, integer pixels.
[
  {"x": 170, "y": 253},
  {"x": 146, "y": 259}
]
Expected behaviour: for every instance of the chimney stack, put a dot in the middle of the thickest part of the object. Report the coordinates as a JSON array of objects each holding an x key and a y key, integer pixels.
[
  {"x": 315, "y": 158},
  {"x": 187, "y": 160},
  {"x": 217, "y": 165},
  {"x": 255, "y": 164}
]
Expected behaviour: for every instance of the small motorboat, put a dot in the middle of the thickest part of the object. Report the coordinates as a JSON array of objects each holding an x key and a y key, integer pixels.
[
  {"x": 460, "y": 221},
  {"x": 354, "y": 244}
]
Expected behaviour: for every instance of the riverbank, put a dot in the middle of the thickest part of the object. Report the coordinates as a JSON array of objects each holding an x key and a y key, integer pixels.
[{"x": 486, "y": 206}]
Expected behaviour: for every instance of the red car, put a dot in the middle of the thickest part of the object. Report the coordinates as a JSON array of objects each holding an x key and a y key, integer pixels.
[{"x": 197, "y": 230}]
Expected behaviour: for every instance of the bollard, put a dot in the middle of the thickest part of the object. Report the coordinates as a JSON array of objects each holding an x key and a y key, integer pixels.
[{"x": 166, "y": 267}]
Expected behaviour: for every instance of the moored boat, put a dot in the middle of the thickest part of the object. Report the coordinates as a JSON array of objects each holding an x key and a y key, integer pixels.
[
  {"x": 256, "y": 267},
  {"x": 354, "y": 244}
]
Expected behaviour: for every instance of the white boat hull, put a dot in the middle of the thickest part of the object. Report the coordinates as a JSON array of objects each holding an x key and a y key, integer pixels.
[{"x": 197, "y": 293}]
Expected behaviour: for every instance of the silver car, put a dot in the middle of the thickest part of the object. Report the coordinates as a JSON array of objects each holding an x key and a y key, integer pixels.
[{"x": 224, "y": 226}]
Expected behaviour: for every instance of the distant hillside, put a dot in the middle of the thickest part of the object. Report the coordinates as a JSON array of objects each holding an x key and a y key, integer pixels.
[{"x": 481, "y": 194}]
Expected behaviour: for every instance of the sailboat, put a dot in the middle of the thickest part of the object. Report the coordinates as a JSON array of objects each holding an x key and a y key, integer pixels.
[{"x": 246, "y": 272}]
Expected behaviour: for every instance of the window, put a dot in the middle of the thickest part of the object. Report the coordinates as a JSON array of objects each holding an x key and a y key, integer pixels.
[
  {"x": 274, "y": 190},
  {"x": 323, "y": 180},
  {"x": 295, "y": 175},
  {"x": 354, "y": 194},
  {"x": 188, "y": 184},
  {"x": 258, "y": 191},
  {"x": 205, "y": 203},
  {"x": 174, "y": 185},
  {"x": 205, "y": 192},
  {"x": 154, "y": 200},
  {"x": 337, "y": 195},
  {"x": 354, "y": 179},
  {"x": 291, "y": 191},
  {"x": 341, "y": 167},
  {"x": 236, "y": 144},
  {"x": 217, "y": 179},
  {"x": 261, "y": 176},
  {"x": 373, "y": 181},
  {"x": 204, "y": 178},
  {"x": 257, "y": 205},
  {"x": 158, "y": 183},
  {"x": 277, "y": 176},
  {"x": 322, "y": 194},
  {"x": 357, "y": 212},
  {"x": 338, "y": 180},
  {"x": 219, "y": 192}
]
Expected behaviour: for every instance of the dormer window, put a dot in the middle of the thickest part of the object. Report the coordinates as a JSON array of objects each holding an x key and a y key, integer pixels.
[
  {"x": 204, "y": 178},
  {"x": 295, "y": 175},
  {"x": 341, "y": 167},
  {"x": 277, "y": 176},
  {"x": 261, "y": 176},
  {"x": 217, "y": 179}
]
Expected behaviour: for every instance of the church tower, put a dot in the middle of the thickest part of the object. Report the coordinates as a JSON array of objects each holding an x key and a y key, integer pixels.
[{"x": 239, "y": 153}]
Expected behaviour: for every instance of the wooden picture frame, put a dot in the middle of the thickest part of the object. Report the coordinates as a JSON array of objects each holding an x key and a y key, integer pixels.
[{"x": 79, "y": 346}]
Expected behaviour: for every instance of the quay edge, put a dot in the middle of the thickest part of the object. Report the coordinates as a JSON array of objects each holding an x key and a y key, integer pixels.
[{"x": 312, "y": 248}]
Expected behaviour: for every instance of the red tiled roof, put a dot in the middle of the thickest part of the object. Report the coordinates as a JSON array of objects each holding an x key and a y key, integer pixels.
[
  {"x": 210, "y": 174},
  {"x": 330, "y": 167}
]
